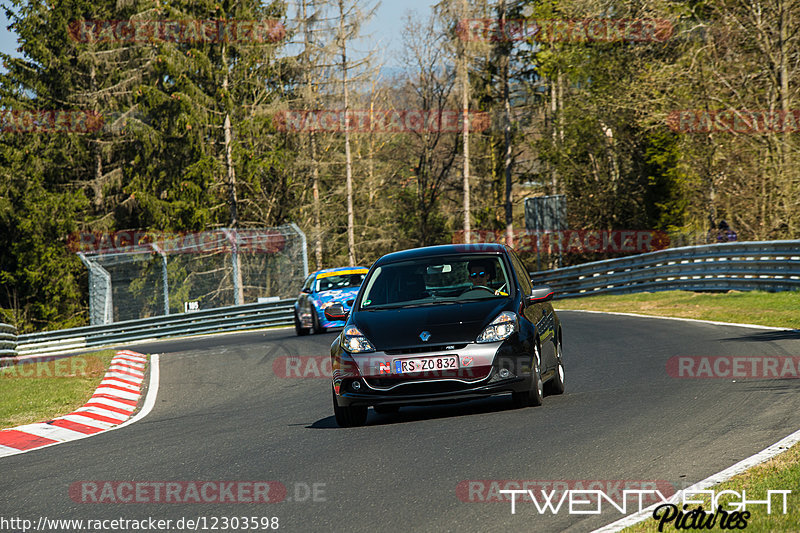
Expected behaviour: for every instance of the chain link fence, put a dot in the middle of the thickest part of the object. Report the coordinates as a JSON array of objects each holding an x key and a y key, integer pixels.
[{"x": 139, "y": 275}]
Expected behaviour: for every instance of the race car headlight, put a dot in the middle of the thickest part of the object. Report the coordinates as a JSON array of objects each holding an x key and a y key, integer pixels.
[
  {"x": 327, "y": 305},
  {"x": 356, "y": 342},
  {"x": 501, "y": 328}
]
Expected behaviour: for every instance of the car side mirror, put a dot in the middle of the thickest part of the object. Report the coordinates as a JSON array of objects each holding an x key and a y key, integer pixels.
[
  {"x": 540, "y": 294},
  {"x": 306, "y": 290},
  {"x": 336, "y": 312}
]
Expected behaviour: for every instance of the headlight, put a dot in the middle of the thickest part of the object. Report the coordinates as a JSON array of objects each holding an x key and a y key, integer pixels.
[
  {"x": 327, "y": 305},
  {"x": 356, "y": 342},
  {"x": 501, "y": 328}
]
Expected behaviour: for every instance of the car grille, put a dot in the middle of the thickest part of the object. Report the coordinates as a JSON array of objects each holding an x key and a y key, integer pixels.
[
  {"x": 410, "y": 387},
  {"x": 431, "y": 382},
  {"x": 426, "y": 349}
]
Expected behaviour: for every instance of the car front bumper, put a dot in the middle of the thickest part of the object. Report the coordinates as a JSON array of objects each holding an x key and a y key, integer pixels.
[{"x": 485, "y": 370}]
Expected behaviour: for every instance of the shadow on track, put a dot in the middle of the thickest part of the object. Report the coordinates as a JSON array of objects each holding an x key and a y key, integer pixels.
[
  {"x": 768, "y": 336},
  {"x": 418, "y": 413}
]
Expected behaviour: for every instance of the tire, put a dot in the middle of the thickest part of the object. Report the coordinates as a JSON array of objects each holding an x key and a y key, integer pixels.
[
  {"x": 315, "y": 327},
  {"x": 350, "y": 416},
  {"x": 299, "y": 329},
  {"x": 556, "y": 383},
  {"x": 534, "y": 396},
  {"x": 386, "y": 409}
]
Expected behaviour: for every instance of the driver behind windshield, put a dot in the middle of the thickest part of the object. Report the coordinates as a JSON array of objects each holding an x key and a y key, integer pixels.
[{"x": 481, "y": 273}]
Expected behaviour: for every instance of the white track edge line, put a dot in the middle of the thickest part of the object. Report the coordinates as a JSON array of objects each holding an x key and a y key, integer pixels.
[
  {"x": 716, "y": 323},
  {"x": 152, "y": 392},
  {"x": 149, "y": 403},
  {"x": 754, "y": 460},
  {"x": 763, "y": 456}
]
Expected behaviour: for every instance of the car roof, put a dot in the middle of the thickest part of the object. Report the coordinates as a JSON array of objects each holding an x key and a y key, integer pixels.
[
  {"x": 340, "y": 269},
  {"x": 444, "y": 249}
]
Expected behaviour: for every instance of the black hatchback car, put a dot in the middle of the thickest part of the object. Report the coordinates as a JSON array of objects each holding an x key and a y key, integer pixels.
[{"x": 446, "y": 323}]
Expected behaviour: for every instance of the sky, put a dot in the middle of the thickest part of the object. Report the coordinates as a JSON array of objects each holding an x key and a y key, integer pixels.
[{"x": 383, "y": 31}]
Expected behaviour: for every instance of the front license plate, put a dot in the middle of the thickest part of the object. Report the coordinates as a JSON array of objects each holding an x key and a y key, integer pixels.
[{"x": 425, "y": 364}]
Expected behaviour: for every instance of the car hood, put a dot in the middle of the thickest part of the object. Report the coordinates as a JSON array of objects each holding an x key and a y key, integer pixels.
[
  {"x": 391, "y": 329},
  {"x": 337, "y": 295}
]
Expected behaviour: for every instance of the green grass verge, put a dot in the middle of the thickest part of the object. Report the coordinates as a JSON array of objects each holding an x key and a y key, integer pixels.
[
  {"x": 768, "y": 309},
  {"x": 37, "y": 392},
  {"x": 779, "y": 473},
  {"x": 779, "y": 309}
]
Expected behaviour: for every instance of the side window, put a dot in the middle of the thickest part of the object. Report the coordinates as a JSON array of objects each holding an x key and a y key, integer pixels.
[
  {"x": 309, "y": 281},
  {"x": 522, "y": 273}
]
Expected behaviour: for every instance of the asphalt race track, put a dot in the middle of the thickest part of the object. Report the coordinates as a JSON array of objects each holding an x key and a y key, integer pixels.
[{"x": 223, "y": 415}]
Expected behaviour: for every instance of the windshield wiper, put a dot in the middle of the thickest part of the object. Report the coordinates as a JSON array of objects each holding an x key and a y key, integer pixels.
[{"x": 407, "y": 305}]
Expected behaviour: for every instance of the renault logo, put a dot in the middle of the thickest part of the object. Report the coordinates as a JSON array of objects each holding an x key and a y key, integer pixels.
[{"x": 425, "y": 335}]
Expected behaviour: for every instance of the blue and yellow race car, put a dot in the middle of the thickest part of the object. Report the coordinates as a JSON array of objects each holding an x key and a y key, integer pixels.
[{"x": 325, "y": 289}]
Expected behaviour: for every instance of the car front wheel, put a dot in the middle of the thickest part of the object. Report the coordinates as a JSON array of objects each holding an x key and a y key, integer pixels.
[
  {"x": 556, "y": 384},
  {"x": 315, "y": 327},
  {"x": 535, "y": 395},
  {"x": 350, "y": 416},
  {"x": 300, "y": 330}
]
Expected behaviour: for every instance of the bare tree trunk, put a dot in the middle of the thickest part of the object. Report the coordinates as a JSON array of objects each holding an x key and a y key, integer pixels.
[
  {"x": 351, "y": 245},
  {"x": 317, "y": 208},
  {"x": 233, "y": 201},
  {"x": 465, "y": 119},
  {"x": 97, "y": 183},
  {"x": 553, "y": 115},
  {"x": 507, "y": 162},
  {"x": 313, "y": 141}
]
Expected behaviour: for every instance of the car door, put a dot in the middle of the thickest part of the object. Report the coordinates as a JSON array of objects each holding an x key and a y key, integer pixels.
[
  {"x": 303, "y": 304},
  {"x": 541, "y": 314}
]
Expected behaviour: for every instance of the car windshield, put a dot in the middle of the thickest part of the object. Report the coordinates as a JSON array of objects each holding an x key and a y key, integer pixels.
[
  {"x": 436, "y": 280},
  {"x": 331, "y": 281}
]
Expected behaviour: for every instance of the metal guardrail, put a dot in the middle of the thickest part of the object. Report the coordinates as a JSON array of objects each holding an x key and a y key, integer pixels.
[
  {"x": 770, "y": 266},
  {"x": 8, "y": 341},
  {"x": 767, "y": 266},
  {"x": 233, "y": 318}
]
